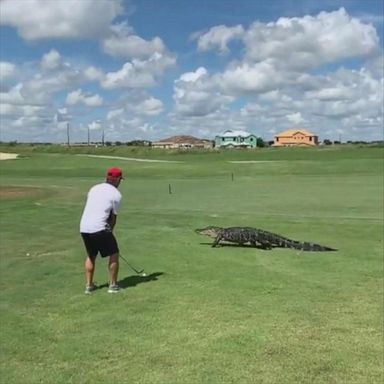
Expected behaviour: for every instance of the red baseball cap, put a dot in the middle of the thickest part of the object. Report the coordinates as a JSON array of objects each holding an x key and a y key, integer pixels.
[{"x": 115, "y": 172}]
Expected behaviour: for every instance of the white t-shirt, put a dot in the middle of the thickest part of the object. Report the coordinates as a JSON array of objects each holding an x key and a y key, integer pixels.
[{"x": 101, "y": 201}]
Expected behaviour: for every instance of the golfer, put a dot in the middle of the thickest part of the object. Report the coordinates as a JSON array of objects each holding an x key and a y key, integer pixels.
[{"x": 96, "y": 226}]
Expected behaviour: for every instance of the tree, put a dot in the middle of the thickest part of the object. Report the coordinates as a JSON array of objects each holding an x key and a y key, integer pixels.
[{"x": 260, "y": 142}]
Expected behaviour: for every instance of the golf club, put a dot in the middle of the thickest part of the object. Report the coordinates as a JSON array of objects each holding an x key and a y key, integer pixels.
[{"x": 133, "y": 269}]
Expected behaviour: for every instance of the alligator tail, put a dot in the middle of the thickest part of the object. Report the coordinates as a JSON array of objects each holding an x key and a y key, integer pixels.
[{"x": 306, "y": 246}]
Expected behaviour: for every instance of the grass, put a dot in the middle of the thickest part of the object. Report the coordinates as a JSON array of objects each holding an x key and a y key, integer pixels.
[{"x": 203, "y": 315}]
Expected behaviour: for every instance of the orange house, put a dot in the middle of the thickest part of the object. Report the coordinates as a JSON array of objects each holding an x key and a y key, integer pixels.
[{"x": 295, "y": 137}]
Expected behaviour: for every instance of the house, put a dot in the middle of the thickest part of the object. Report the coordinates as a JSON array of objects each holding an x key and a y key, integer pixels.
[
  {"x": 182, "y": 142},
  {"x": 293, "y": 137},
  {"x": 236, "y": 139}
]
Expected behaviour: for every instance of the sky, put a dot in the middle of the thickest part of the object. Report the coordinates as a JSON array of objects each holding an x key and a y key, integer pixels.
[{"x": 151, "y": 69}]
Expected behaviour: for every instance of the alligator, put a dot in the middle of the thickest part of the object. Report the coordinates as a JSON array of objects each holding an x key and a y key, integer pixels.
[{"x": 255, "y": 237}]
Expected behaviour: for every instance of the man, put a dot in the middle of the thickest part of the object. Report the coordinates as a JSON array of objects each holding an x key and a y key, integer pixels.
[{"x": 96, "y": 226}]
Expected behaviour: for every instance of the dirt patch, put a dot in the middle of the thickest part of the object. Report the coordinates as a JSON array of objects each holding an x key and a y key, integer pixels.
[{"x": 19, "y": 192}]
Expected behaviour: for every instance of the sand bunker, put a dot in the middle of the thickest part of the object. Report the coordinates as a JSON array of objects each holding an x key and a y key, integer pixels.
[
  {"x": 8, "y": 156},
  {"x": 254, "y": 161},
  {"x": 132, "y": 159}
]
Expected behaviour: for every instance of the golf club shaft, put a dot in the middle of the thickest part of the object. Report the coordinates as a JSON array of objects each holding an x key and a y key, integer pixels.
[{"x": 133, "y": 269}]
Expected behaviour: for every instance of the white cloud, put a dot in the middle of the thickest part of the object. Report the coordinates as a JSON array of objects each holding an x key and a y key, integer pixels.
[
  {"x": 245, "y": 78},
  {"x": 295, "y": 118},
  {"x": 194, "y": 76},
  {"x": 274, "y": 73},
  {"x": 14, "y": 104},
  {"x": 78, "y": 97},
  {"x": 40, "y": 82},
  {"x": 346, "y": 102},
  {"x": 139, "y": 73},
  {"x": 356, "y": 92},
  {"x": 332, "y": 93},
  {"x": 128, "y": 77},
  {"x": 123, "y": 43},
  {"x": 218, "y": 36},
  {"x": 51, "y": 60},
  {"x": 92, "y": 73},
  {"x": 129, "y": 120},
  {"x": 7, "y": 71},
  {"x": 16, "y": 110},
  {"x": 123, "y": 129},
  {"x": 95, "y": 125},
  {"x": 310, "y": 41},
  {"x": 61, "y": 116},
  {"x": 42, "y": 86},
  {"x": 197, "y": 94},
  {"x": 115, "y": 114},
  {"x": 13, "y": 96},
  {"x": 8, "y": 109},
  {"x": 26, "y": 122},
  {"x": 149, "y": 107},
  {"x": 42, "y": 19},
  {"x": 252, "y": 109},
  {"x": 93, "y": 101},
  {"x": 376, "y": 65},
  {"x": 272, "y": 96}
]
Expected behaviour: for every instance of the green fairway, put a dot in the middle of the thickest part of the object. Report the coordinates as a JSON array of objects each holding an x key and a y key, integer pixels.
[{"x": 203, "y": 315}]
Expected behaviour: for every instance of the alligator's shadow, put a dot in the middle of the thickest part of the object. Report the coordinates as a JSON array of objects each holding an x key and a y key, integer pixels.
[
  {"x": 257, "y": 246},
  {"x": 132, "y": 281}
]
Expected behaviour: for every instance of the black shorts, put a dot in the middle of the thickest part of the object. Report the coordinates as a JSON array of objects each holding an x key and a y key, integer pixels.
[{"x": 103, "y": 242}]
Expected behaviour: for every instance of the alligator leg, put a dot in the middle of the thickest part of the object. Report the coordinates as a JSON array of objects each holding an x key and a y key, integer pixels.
[
  {"x": 265, "y": 245},
  {"x": 217, "y": 240}
]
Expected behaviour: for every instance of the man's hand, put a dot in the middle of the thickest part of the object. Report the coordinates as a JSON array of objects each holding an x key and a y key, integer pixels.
[{"x": 111, "y": 221}]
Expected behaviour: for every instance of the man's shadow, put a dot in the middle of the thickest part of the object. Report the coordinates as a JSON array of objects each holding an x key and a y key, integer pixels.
[
  {"x": 132, "y": 281},
  {"x": 257, "y": 246}
]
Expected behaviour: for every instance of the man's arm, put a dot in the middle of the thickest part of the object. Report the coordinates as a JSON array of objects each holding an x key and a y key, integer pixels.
[{"x": 112, "y": 220}]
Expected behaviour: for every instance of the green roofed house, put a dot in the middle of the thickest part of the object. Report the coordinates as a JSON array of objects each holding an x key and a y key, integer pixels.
[{"x": 236, "y": 139}]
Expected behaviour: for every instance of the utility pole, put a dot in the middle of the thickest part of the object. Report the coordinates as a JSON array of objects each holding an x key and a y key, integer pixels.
[
  {"x": 68, "y": 134},
  {"x": 89, "y": 136},
  {"x": 102, "y": 137}
]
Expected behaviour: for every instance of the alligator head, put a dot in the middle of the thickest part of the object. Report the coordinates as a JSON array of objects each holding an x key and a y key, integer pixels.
[{"x": 210, "y": 231}]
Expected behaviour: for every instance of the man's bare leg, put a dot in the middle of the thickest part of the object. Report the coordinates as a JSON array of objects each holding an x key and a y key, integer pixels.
[
  {"x": 113, "y": 268},
  {"x": 89, "y": 271}
]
